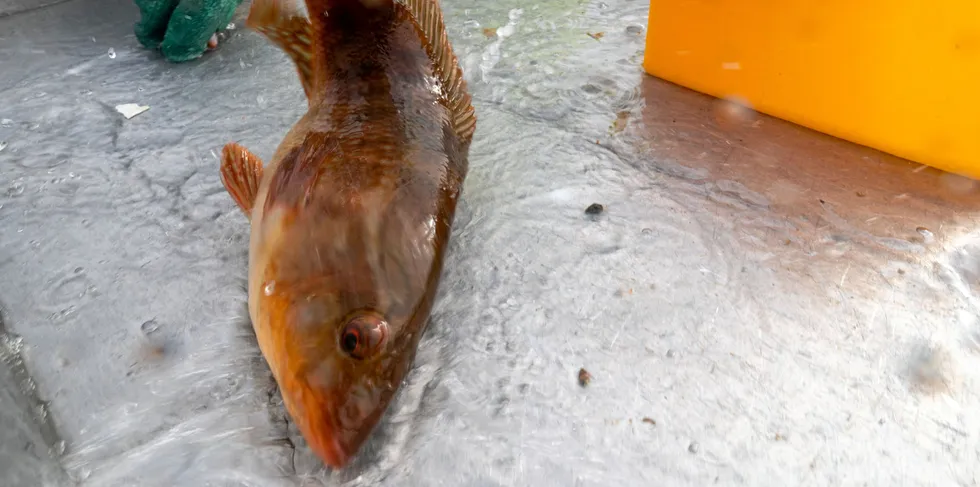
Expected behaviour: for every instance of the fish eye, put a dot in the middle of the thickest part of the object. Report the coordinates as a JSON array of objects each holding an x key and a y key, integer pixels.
[{"x": 363, "y": 335}]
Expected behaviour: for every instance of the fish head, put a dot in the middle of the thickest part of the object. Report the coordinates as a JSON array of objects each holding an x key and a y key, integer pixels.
[{"x": 339, "y": 302}]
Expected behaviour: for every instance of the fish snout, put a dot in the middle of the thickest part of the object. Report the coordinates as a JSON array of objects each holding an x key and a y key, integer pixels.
[
  {"x": 342, "y": 417},
  {"x": 344, "y": 429},
  {"x": 331, "y": 451}
]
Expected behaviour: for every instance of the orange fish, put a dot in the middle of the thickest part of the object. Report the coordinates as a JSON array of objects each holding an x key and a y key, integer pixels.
[{"x": 351, "y": 217}]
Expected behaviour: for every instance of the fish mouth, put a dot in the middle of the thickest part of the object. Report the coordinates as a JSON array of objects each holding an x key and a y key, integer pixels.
[
  {"x": 329, "y": 449},
  {"x": 324, "y": 438},
  {"x": 335, "y": 442}
]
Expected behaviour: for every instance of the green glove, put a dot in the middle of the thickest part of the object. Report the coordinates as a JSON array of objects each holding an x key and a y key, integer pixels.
[{"x": 182, "y": 29}]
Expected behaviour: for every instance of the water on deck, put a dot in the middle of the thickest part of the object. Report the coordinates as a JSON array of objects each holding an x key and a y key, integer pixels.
[{"x": 757, "y": 304}]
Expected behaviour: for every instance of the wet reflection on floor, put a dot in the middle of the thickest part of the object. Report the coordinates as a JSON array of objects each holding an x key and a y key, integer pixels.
[{"x": 755, "y": 303}]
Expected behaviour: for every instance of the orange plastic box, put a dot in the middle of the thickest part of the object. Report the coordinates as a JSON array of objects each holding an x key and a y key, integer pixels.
[{"x": 902, "y": 76}]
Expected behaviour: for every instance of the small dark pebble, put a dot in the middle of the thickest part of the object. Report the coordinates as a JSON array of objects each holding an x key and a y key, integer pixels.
[
  {"x": 594, "y": 209},
  {"x": 693, "y": 447},
  {"x": 584, "y": 377},
  {"x": 649, "y": 421}
]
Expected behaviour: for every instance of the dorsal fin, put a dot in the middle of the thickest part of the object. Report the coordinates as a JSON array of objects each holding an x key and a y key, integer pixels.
[
  {"x": 428, "y": 17},
  {"x": 285, "y": 24}
]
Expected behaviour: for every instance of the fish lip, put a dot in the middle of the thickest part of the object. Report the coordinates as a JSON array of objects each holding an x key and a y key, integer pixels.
[
  {"x": 324, "y": 440},
  {"x": 332, "y": 452},
  {"x": 328, "y": 438}
]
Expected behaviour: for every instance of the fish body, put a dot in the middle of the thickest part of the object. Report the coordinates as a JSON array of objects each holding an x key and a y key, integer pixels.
[{"x": 351, "y": 217}]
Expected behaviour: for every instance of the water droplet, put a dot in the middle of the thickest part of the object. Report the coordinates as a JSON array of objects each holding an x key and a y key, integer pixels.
[
  {"x": 925, "y": 232},
  {"x": 269, "y": 288},
  {"x": 80, "y": 475},
  {"x": 693, "y": 447},
  {"x": 62, "y": 314},
  {"x": 112, "y": 53},
  {"x": 958, "y": 184},
  {"x": 41, "y": 411},
  {"x": 148, "y": 327},
  {"x": 6, "y": 122},
  {"x": 16, "y": 188},
  {"x": 230, "y": 26},
  {"x": 732, "y": 112},
  {"x": 471, "y": 24},
  {"x": 3, "y": 145}
]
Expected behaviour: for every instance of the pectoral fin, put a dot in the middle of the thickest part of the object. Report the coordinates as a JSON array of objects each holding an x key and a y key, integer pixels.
[{"x": 241, "y": 172}]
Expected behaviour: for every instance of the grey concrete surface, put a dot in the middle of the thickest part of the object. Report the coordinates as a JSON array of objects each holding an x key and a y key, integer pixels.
[
  {"x": 757, "y": 305},
  {"x": 29, "y": 443},
  {"x": 10, "y": 7}
]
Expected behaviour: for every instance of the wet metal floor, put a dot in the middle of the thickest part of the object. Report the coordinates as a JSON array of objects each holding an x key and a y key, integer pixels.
[{"x": 757, "y": 304}]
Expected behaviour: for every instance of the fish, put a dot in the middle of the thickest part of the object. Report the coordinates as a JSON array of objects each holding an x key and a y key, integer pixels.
[{"x": 351, "y": 218}]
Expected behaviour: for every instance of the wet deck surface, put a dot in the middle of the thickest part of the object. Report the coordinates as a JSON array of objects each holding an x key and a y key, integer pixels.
[{"x": 757, "y": 305}]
